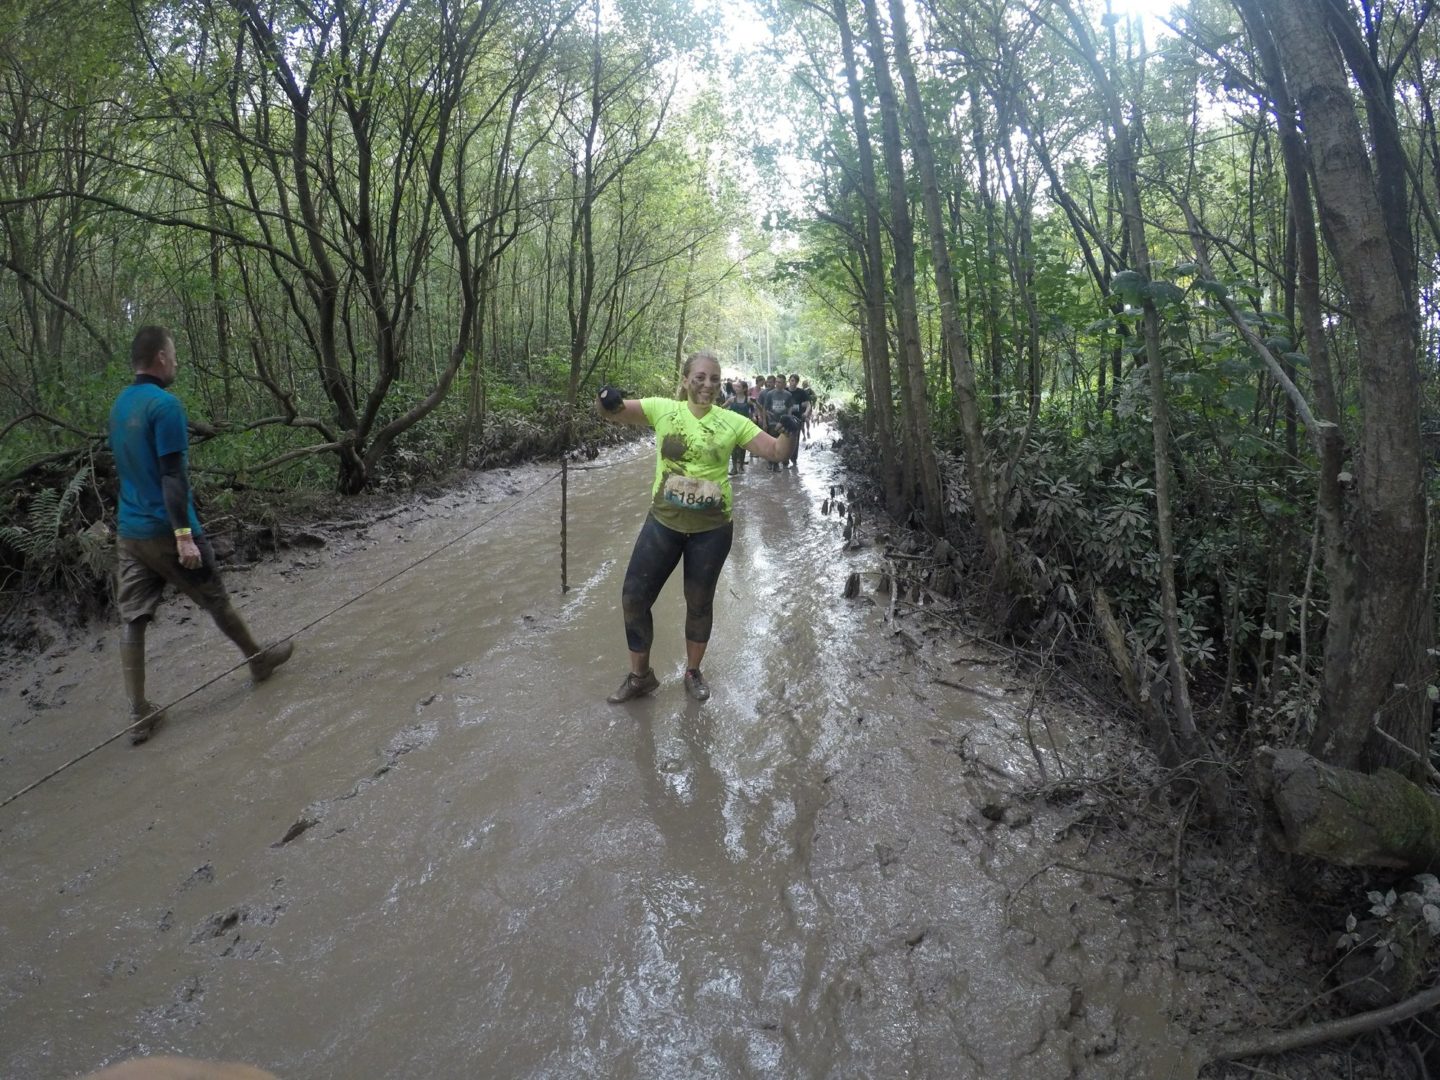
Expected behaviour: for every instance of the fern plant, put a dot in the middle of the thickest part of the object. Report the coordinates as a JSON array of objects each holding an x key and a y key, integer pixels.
[{"x": 39, "y": 541}]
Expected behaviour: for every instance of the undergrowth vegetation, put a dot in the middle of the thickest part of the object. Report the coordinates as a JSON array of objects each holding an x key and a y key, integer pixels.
[{"x": 1079, "y": 511}]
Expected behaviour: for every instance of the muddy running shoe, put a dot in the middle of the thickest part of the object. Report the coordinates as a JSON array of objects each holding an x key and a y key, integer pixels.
[
  {"x": 634, "y": 686},
  {"x": 142, "y": 733},
  {"x": 264, "y": 665},
  {"x": 696, "y": 686}
]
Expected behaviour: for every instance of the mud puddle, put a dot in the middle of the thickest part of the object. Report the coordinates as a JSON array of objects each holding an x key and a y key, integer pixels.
[{"x": 428, "y": 847}]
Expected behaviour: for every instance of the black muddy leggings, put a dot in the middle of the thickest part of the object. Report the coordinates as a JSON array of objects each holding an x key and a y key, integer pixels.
[{"x": 657, "y": 550}]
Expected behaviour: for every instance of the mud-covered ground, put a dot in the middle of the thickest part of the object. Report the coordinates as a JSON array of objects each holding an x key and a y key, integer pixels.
[{"x": 428, "y": 847}]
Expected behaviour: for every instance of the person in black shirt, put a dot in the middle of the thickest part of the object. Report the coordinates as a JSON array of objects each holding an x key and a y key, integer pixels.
[
  {"x": 800, "y": 399},
  {"x": 776, "y": 402},
  {"x": 740, "y": 402}
]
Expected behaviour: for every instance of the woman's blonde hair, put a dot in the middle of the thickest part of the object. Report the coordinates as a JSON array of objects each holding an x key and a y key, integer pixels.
[{"x": 681, "y": 394}]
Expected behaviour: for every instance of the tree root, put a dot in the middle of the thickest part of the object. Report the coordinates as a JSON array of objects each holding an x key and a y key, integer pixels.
[{"x": 1279, "y": 1042}]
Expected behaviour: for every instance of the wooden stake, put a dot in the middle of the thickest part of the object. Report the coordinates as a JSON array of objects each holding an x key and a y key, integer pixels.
[{"x": 564, "y": 507}]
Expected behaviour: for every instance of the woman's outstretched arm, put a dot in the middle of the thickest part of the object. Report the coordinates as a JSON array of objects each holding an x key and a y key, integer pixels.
[
  {"x": 771, "y": 448},
  {"x": 612, "y": 405}
]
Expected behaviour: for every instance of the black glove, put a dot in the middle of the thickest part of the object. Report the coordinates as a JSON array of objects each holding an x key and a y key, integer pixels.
[
  {"x": 611, "y": 399},
  {"x": 789, "y": 424}
]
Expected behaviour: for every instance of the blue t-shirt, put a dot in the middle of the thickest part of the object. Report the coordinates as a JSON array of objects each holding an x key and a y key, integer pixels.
[{"x": 147, "y": 422}]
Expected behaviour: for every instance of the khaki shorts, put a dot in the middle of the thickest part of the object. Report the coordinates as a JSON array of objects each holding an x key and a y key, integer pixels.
[{"x": 147, "y": 566}]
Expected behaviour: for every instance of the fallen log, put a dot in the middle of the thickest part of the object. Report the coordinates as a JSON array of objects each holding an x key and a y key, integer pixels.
[{"x": 1345, "y": 817}]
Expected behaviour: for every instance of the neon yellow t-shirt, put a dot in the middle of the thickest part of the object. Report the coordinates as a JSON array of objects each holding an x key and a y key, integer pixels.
[{"x": 692, "y": 455}]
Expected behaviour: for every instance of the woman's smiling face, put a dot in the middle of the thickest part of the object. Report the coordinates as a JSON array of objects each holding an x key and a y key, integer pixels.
[{"x": 703, "y": 382}]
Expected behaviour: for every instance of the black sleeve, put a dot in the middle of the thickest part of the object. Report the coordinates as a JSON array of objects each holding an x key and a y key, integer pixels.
[{"x": 176, "y": 487}]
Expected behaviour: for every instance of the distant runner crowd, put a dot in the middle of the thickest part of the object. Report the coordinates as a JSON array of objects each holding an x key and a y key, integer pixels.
[{"x": 767, "y": 400}]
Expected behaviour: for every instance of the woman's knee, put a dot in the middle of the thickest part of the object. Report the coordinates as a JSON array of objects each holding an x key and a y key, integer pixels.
[
  {"x": 698, "y": 624},
  {"x": 636, "y": 603},
  {"x": 699, "y": 602}
]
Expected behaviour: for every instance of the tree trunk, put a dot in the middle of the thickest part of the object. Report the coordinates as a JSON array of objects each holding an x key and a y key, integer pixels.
[
  {"x": 1339, "y": 575},
  {"x": 872, "y": 269},
  {"x": 902, "y": 238},
  {"x": 1123, "y": 149},
  {"x": 986, "y": 272},
  {"x": 1375, "y": 650},
  {"x": 684, "y": 311},
  {"x": 957, "y": 342},
  {"x": 580, "y": 294}
]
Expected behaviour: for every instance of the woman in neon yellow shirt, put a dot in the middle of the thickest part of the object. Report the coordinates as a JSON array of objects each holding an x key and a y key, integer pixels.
[{"x": 689, "y": 512}]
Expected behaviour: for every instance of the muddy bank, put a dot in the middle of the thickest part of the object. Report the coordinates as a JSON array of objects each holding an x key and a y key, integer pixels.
[{"x": 428, "y": 846}]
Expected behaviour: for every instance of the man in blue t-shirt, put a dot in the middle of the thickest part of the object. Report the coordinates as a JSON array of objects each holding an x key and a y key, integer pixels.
[{"x": 160, "y": 541}]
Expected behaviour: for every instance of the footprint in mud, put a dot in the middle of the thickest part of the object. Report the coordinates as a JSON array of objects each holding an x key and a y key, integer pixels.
[
  {"x": 887, "y": 855},
  {"x": 229, "y": 927},
  {"x": 415, "y": 737},
  {"x": 186, "y": 1005},
  {"x": 121, "y": 967},
  {"x": 217, "y": 925},
  {"x": 80, "y": 881},
  {"x": 201, "y": 875},
  {"x": 295, "y": 830}
]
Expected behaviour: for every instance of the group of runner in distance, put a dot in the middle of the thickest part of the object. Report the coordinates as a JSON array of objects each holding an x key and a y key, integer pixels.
[{"x": 765, "y": 401}]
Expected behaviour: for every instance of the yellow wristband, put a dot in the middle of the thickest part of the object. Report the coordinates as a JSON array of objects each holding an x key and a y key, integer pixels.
[{"x": 182, "y": 534}]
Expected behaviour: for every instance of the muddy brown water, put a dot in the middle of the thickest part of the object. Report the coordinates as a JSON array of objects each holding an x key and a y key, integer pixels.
[{"x": 489, "y": 871}]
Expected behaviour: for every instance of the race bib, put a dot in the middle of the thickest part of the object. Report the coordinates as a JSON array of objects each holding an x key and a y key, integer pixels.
[{"x": 688, "y": 493}]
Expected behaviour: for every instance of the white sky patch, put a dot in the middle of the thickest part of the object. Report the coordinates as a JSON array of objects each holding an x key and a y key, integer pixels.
[
  {"x": 746, "y": 40},
  {"x": 745, "y": 31},
  {"x": 1150, "y": 13}
]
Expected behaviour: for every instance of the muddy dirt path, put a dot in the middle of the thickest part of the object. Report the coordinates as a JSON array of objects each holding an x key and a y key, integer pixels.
[{"x": 428, "y": 847}]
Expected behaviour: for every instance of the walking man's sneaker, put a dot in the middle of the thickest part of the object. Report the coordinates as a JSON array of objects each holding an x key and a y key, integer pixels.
[
  {"x": 634, "y": 686},
  {"x": 264, "y": 665},
  {"x": 696, "y": 686},
  {"x": 142, "y": 733}
]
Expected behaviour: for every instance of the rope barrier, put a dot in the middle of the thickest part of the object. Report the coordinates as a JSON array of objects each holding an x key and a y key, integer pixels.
[
  {"x": 293, "y": 634},
  {"x": 597, "y": 468}
]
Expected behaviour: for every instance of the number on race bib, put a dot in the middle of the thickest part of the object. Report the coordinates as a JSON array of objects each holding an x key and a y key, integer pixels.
[{"x": 689, "y": 493}]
